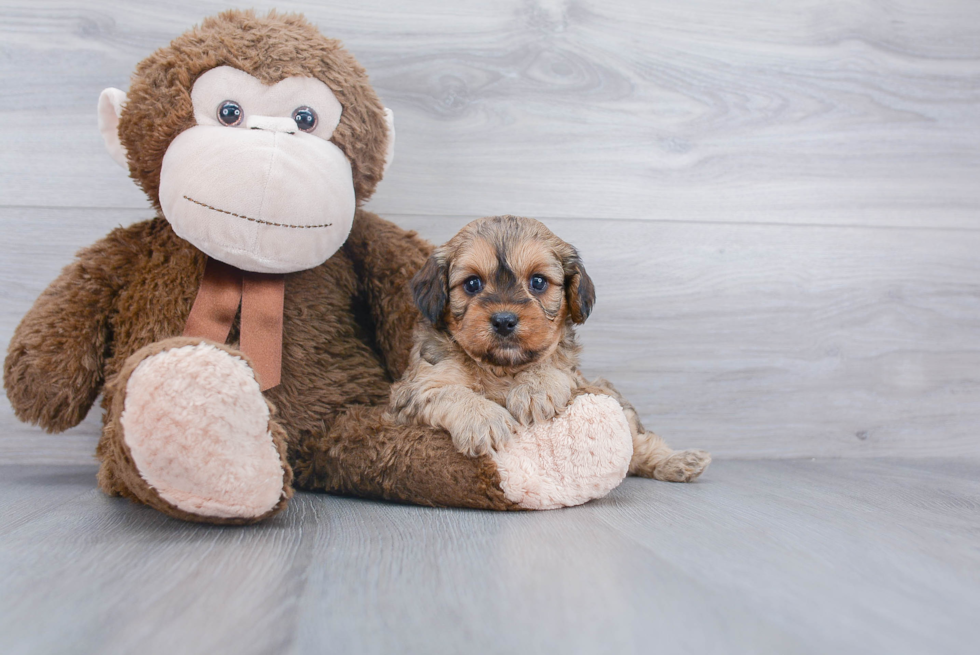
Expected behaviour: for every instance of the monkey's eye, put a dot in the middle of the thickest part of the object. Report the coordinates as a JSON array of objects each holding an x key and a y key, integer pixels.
[
  {"x": 305, "y": 118},
  {"x": 230, "y": 113},
  {"x": 538, "y": 283},
  {"x": 473, "y": 285}
]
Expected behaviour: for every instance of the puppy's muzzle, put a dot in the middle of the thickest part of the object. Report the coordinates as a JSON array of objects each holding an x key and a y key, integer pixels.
[{"x": 504, "y": 323}]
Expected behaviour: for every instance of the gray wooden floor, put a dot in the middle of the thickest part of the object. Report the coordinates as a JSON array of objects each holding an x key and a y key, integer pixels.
[{"x": 835, "y": 556}]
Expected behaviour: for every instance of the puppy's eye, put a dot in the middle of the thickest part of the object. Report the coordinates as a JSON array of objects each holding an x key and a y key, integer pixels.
[
  {"x": 538, "y": 283},
  {"x": 473, "y": 285},
  {"x": 230, "y": 113}
]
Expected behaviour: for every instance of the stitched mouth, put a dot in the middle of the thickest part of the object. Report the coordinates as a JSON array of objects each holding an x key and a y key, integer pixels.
[{"x": 254, "y": 220}]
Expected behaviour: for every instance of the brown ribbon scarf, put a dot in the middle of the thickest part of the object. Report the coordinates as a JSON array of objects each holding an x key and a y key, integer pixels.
[{"x": 261, "y": 298}]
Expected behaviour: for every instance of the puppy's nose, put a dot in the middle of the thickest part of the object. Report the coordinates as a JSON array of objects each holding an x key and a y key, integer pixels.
[{"x": 504, "y": 323}]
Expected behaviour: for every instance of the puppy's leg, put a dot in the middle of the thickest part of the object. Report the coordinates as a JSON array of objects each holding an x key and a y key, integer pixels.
[
  {"x": 652, "y": 457},
  {"x": 540, "y": 394},
  {"x": 475, "y": 423}
]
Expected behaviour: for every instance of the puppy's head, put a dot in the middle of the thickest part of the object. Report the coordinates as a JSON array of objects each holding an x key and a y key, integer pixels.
[{"x": 506, "y": 288}]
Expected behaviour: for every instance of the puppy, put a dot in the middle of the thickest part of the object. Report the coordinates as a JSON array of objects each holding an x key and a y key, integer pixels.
[{"x": 496, "y": 345}]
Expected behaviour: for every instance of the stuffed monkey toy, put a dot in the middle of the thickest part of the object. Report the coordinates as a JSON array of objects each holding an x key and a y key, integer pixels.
[{"x": 246, "y": 337}]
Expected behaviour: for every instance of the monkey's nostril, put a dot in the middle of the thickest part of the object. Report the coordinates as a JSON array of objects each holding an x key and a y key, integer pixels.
[{"x": 504, "y": 323}]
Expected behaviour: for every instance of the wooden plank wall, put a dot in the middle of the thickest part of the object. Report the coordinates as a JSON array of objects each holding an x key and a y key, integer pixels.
[{"x": 778, "y": 200}]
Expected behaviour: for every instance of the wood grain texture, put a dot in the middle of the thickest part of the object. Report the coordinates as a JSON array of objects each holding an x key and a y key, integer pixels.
[
  {"x": 844, "y": 556},
  {"x": 747, "y": 340},
  {"x": 856, "y": 113}
]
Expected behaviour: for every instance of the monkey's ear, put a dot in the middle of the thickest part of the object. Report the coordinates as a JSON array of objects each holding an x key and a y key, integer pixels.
[
  {"x": 390, "y": 150},
  {"x": 430, "y": 289},
  {"x": 579, "y": 290},
  {"x": 111, "y": 102}
]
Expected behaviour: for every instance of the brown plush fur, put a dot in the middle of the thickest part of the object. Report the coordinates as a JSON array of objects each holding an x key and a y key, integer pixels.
[
  {"x": 478, "y": 382},
  {"x": 346, "y": 335},
  {"x": 346, "y": 323}
]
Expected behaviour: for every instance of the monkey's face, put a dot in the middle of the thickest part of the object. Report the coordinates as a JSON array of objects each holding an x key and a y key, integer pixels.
[
  {"x": 256, "y": 136},
  {"x": 505, "y": 287},
  {"x": 257, "y": 183}
]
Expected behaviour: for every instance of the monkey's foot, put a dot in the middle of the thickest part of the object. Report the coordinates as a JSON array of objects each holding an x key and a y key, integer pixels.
[
  {"x": 582, "y": 454},
  {"x": 193, "y": 436}
]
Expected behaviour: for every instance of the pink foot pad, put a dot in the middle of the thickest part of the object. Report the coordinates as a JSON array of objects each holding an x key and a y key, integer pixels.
[
  {"x": 580, "y": 455},
  {"x": 197, "y": 427}
]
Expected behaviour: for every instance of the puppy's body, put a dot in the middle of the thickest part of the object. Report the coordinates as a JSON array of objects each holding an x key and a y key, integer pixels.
[
  {"x": 496, "y": 347},
  {"x": 480, "y": 405}
]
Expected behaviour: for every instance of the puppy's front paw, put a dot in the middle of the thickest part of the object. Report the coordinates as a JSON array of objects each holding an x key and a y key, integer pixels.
[
  {"x": 529, "y": 404},
  {"x": 486, "y": 425}
]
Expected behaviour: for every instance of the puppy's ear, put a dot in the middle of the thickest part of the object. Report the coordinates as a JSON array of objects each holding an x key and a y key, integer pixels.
[
  {"x": 430, "y": 290},
  {"x": 579, "y": 290}
]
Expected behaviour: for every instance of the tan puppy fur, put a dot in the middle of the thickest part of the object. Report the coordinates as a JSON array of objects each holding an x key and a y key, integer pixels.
[{"x": 496, "y": 347}]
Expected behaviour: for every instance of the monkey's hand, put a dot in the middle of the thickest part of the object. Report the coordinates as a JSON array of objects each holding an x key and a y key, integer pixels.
[
  {"x": 55, "y": 361},
  {"x": 480, "y": 426},
  {"x": 538, "y": 398}
]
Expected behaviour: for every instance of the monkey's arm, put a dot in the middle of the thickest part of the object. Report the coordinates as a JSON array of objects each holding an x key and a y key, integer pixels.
[
  {"x": 386, "y": 258},
  {"x": 54, "y": 366}
]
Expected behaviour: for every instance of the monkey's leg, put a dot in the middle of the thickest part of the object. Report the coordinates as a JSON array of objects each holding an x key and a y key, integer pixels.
[
  {"x": 365, "y": 453},
  {"x": 576, "y": 457},
  {"x": 652, "y": 457},
  {"x": 189, "y": 433}
]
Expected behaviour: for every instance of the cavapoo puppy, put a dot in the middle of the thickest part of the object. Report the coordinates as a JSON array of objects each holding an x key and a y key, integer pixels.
[{"x": 496, "y": 346}]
